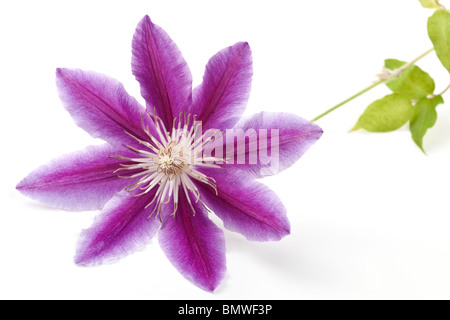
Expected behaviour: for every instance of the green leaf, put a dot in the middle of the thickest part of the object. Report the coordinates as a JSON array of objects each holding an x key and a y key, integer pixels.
[
  {"x": 387, "y": 114},
  {"x": 412, "y": 82},
  {"x": 431, "y": 4},
  {"x": 424, "y": 118},
  {"x": 439, "y": 33}
]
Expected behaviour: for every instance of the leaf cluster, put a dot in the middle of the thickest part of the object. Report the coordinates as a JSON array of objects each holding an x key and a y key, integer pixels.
[{"x": 413, "y": 98}]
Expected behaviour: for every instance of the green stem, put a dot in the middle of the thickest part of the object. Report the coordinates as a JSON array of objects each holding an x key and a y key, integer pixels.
[
  {"x": 445, "y": 90},
  {"x": 348, "y": 100},
  {"x": 406, "y": 66},
  {"x": 394, "y": 74}
]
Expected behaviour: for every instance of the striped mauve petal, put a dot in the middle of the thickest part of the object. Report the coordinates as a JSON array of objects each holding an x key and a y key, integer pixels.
[
  {"x": 221, "y": 98},
  {"x": 120, "y": 229},
  {"x": 82, "y": 180},
  {"x": 267, "y": 143},
  {"x": 162, "y": 72},
  {"x": 101, "y": 106},
  {"x": 194, "y": 245},
  {"x": 245, "y": 206}
]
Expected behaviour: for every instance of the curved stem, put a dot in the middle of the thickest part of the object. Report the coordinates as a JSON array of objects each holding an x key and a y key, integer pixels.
[
  {"x": 445, "y": 90},
  {"x": 393, "y": 74}
]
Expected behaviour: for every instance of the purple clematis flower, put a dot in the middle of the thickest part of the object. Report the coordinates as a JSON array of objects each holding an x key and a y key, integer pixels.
[{"x": 163, "y": 167}]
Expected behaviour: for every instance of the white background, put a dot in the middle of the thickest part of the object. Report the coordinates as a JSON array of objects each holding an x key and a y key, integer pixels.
[{"x": 369, "y": 212}]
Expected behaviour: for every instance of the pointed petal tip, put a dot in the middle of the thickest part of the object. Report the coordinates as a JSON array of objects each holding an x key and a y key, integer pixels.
[
  {"x": 60, "y": 71},
  {"x": 285, "y": 230},
  {"x": 318, "y": 132},
  {"x": 60, "y": 74},
  {"x": 24, "y": 188},
  {"x": 83, "y": 259},
  {"x": 211, "y": 288},
  {"x": 242, "y": 45},
  {"x": 25, "y": 185},
  {"x": 146, "y": 22},
  {"x": 287, "y": 233},
  {"x": 20, "y": 185},
  {"x": 79, "y": 261}
]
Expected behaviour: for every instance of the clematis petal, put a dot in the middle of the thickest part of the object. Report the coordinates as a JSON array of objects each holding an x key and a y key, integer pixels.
[
  {"x": 159, "y": 67},
  {"x": 120, "y": 229},
  {"x": 222, "y": 97},
  {"x": 275, "y": 142},
  {"x": 194, "y": 245},
  {"x": 82, "y": 180},
  {"x": 101, "y": 106},
  {"x": 245, "y": 205}
]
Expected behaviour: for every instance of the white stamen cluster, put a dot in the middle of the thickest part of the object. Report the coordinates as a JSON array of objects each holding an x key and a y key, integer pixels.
[{"x": 169, "y": 162}]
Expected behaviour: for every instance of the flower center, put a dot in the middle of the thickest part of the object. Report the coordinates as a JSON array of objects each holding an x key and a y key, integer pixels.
[
  {"x": 169, "y": 163},
  {"x": 165, "y": 162},
  {"x": 171, "y": 159}
]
